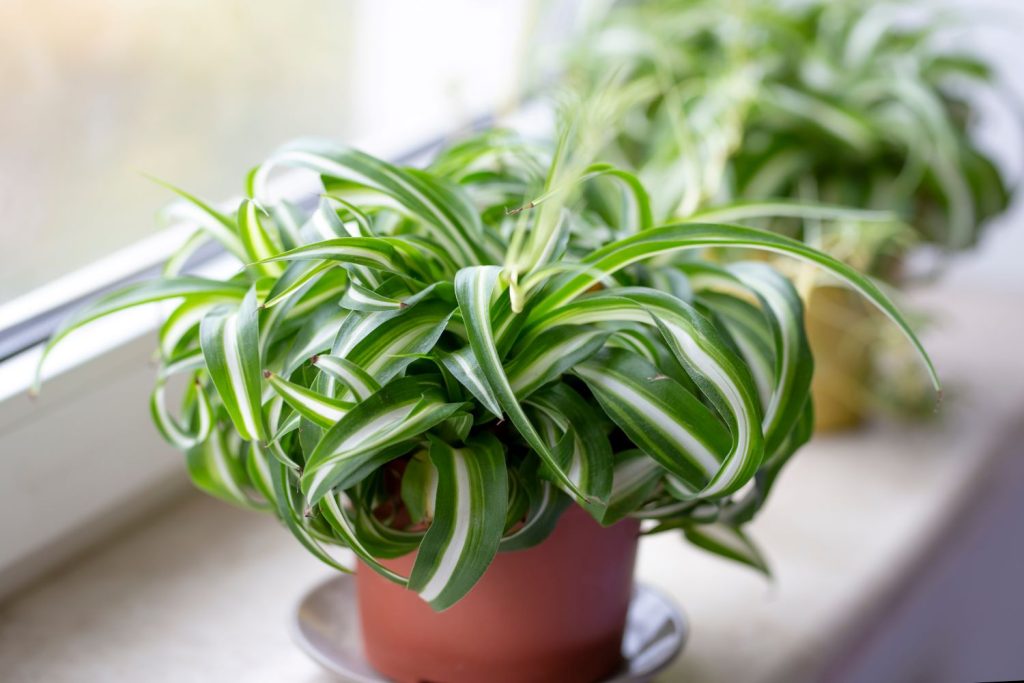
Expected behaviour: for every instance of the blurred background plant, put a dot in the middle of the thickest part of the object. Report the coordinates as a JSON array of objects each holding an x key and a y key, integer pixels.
[{"x": 763, "y": 112}]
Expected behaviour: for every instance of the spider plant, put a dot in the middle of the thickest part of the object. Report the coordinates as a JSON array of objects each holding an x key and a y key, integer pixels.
[
  {"x": 857, "y": 103},
  {"x": 440, "y": 360}
]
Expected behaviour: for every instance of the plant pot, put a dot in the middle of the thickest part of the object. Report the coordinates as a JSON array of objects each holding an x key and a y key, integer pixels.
[
  {"x": 552, "y": 613},
  {"x": 841, "y": 333}
]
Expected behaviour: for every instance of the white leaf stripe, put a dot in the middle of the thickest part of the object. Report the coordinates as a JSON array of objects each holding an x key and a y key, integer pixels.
[
  {"x": 635, "y": 477},
  {"x": 364, "y": 438},
  {"x": 546, "y": 506},
  {"x": 257, "y": 466},
  {"x": 296, "y": 281},
  {"x": 462, "y": 515},
  {"x": 392, "y": 345},
  {"x": 793, "y": 362},
  {"x": 217, "y": 470},
  {"x": 632, "y": 474},
  {"x": 782, "y": 310},
  {"x": 740, "y": 398}
]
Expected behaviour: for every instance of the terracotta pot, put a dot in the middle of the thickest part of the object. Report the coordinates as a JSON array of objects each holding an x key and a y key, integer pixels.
[
  {"x": 553, "y": 613},
  {"x": 841, "y": 333}
]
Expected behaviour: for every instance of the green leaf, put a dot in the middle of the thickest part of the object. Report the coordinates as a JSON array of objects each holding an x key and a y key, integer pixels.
[
  {"x": 374, "y": 431},
  {"x": 393, "y": 339},
  {"x": 786, "y": 208},
  {"x": 359, "y": 298},
  {"x": 218, "y": 225},
  {"x": 547, "y": 503},
  {"x": 474, "y": 288},
  {"x": 588, "y": 455},
  {"x": 465, "y": 368},
  {"x": 372, "y": 252},
  {"x": 553, "y": 353},
  {"x": 727, "y": 541},
  {"x": 194, "y": 288},
  {"x": 314, "y": 406},
  {"x": 353, "y": 377},
  {"x": 334, "y": 511},
  {"x": 469, "y": 518},
  {"x": 634, "y": 480},
  {"x": 794, "y": 366},
  {"x": 258, "y": 242},
  {"x": 446, "y": 215},
  {"x": 216, "y": 467},
  {"x": 182, "y": 436},
  {"x": 230, "y": 340},
  {"x": 419, "y": 487},
  {"x": 667, "y": 422},
  {"x": 722, "y": 376},
  {"x": 182, "y": 322},
  {"x": 289, "y": 510},
  {"x": 675, "y": 238}
]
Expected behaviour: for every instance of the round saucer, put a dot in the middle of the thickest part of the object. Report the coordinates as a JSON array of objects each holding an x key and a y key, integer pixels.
[{"x": 327, "y": 627}]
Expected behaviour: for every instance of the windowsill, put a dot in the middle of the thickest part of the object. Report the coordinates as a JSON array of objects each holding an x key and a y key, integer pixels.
[{"x": 205, "y": 589}]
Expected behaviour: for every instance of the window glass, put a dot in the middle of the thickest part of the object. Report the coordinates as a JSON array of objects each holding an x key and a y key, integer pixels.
[{"x": 97, "y": 93}]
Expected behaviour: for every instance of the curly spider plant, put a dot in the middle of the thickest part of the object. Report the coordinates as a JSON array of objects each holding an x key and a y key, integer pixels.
[
  {"x": 849, "y": 103},
  {"x": 438, "y": 326}
]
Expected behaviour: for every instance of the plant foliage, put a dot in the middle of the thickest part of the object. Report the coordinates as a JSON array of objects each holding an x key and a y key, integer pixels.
[
  {"x": 428, "y": 360},
  {"x": 856, "y": 103}
]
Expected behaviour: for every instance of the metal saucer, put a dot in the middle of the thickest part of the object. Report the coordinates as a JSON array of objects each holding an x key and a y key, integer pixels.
[{"x": 327, "y": 628}]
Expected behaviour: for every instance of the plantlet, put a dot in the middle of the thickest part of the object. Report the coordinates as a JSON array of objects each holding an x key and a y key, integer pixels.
[{"x": 431, "y": 361}]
